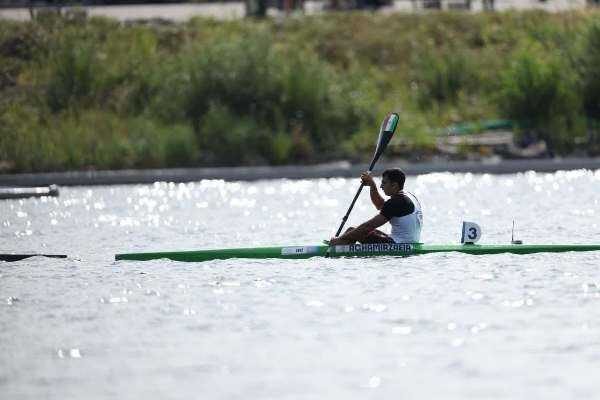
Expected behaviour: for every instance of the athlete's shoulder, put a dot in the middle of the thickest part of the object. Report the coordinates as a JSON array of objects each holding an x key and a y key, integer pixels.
[
  {"x": 402, "y": 197},
  {"x": 398, "y": 206}
]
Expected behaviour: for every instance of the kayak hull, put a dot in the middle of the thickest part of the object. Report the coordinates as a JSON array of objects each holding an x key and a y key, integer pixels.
[{"x": 357, "y": 250}]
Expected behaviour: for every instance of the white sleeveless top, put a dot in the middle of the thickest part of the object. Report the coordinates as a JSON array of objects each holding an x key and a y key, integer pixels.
[{"x": 407, "y": 229}]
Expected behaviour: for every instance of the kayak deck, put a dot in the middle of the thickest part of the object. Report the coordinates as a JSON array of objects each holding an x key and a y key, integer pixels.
[{"x": 355, "y": 250}]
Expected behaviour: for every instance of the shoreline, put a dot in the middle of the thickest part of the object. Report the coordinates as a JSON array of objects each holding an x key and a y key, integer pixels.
[{"x": 342, "y": 169}]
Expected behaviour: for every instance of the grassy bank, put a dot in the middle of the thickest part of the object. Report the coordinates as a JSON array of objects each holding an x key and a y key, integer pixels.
[{"x": 92, "y": 93}]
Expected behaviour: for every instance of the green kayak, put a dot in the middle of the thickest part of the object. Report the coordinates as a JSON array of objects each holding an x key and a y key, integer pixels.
[{"x": 355, "y": 250}]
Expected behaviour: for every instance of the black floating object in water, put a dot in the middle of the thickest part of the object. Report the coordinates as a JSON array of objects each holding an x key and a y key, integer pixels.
[
  {"x": 24, "y": 192},
  {"x": 18, "y": 257}
]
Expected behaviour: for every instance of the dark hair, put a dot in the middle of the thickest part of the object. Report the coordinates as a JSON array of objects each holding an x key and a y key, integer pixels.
[{"x": 395, "y": 175}]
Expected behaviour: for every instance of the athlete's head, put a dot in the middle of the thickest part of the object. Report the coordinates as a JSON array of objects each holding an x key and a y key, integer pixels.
[{"x": 390, "y": 178}]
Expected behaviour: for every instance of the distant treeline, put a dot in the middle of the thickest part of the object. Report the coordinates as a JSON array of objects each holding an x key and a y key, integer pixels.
[
  {"x": 71, "y": 3},
  {"x": 78, "y": 93},
  {"x": 40, "y": 3},
  {"x": 253, "y": 7}
]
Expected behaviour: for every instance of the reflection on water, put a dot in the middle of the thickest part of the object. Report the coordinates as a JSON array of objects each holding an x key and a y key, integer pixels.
[{"x": 441, "y": 325}]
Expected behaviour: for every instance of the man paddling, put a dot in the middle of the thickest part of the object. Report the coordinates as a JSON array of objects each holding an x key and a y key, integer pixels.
[{"x": 402, "y": 210}]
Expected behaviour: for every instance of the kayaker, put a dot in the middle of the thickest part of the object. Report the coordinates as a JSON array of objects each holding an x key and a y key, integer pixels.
[{"x": 402, "y": 210}]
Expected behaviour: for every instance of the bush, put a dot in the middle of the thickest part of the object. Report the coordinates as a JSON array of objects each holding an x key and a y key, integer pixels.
[
  {"x": 74, "y": 75},
  {"x": 589, "y": 63},
  {"x": 19, "y": 44},
  {"x": 130, "y": 74},
  {"x": 23, "y": 145},
  {"x": 227, "y": 138},
  {"x": 266, "y": 91},
  {"x": 439, "y": 75},
  {"x": 91, "y": 139},
  {"x": 538, "y": 90},
  {"x": 241, "y": 74},
  {"x": 117, "y": 71}
]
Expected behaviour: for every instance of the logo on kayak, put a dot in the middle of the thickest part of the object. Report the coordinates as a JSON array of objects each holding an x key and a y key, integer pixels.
[
  {"x": 375, "y": 248},
  {"x": 299, "y": 250}
]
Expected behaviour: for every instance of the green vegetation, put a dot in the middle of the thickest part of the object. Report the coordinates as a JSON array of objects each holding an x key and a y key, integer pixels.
[{"x": 79, "y": 93}]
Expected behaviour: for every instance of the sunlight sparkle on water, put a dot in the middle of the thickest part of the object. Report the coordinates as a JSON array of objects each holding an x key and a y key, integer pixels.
[
  {"x": 299, "y": 325},
  {"x": 374, "y": 382},
  {"x": 68, "y": 353},
  {"x": 402, "y": 330}
]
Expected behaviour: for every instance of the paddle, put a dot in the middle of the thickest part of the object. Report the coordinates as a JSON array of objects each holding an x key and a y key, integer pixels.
[{"x": 386, "y": 131}]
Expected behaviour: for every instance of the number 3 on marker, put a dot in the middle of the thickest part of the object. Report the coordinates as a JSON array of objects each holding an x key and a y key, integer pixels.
[{"x": 471, "y": 233}]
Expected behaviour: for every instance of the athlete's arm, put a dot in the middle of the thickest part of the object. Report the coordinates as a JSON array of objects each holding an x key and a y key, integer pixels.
[
  {"x": 360, "y": 232},
  {"x": 376, "y": 198}
]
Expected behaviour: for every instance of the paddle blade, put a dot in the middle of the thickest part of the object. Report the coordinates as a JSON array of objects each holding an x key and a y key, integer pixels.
[{"x": 386, "y": 131}]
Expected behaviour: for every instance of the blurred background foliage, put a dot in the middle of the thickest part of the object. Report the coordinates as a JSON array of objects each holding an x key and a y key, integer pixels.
[{"x": 81, "y": 93}]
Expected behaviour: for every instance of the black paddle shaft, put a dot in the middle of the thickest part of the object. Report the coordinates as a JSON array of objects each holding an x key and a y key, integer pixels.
[
  {"x": 388, "y": 127},
  {"x": 345, "y": 218}
]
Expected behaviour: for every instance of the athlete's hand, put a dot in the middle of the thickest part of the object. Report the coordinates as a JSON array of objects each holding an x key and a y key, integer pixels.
[{"x": 367, "y": 179}]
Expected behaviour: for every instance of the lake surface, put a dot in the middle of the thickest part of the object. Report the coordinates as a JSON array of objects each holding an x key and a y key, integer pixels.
[{"x": 436, "y": 326}]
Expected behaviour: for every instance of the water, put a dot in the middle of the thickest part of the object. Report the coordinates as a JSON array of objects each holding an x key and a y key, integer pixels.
[{"x": 442, "y": 325}]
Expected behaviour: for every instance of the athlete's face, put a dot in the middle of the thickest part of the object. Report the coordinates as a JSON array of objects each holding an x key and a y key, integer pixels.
[{"x": 389, "y": 187}]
